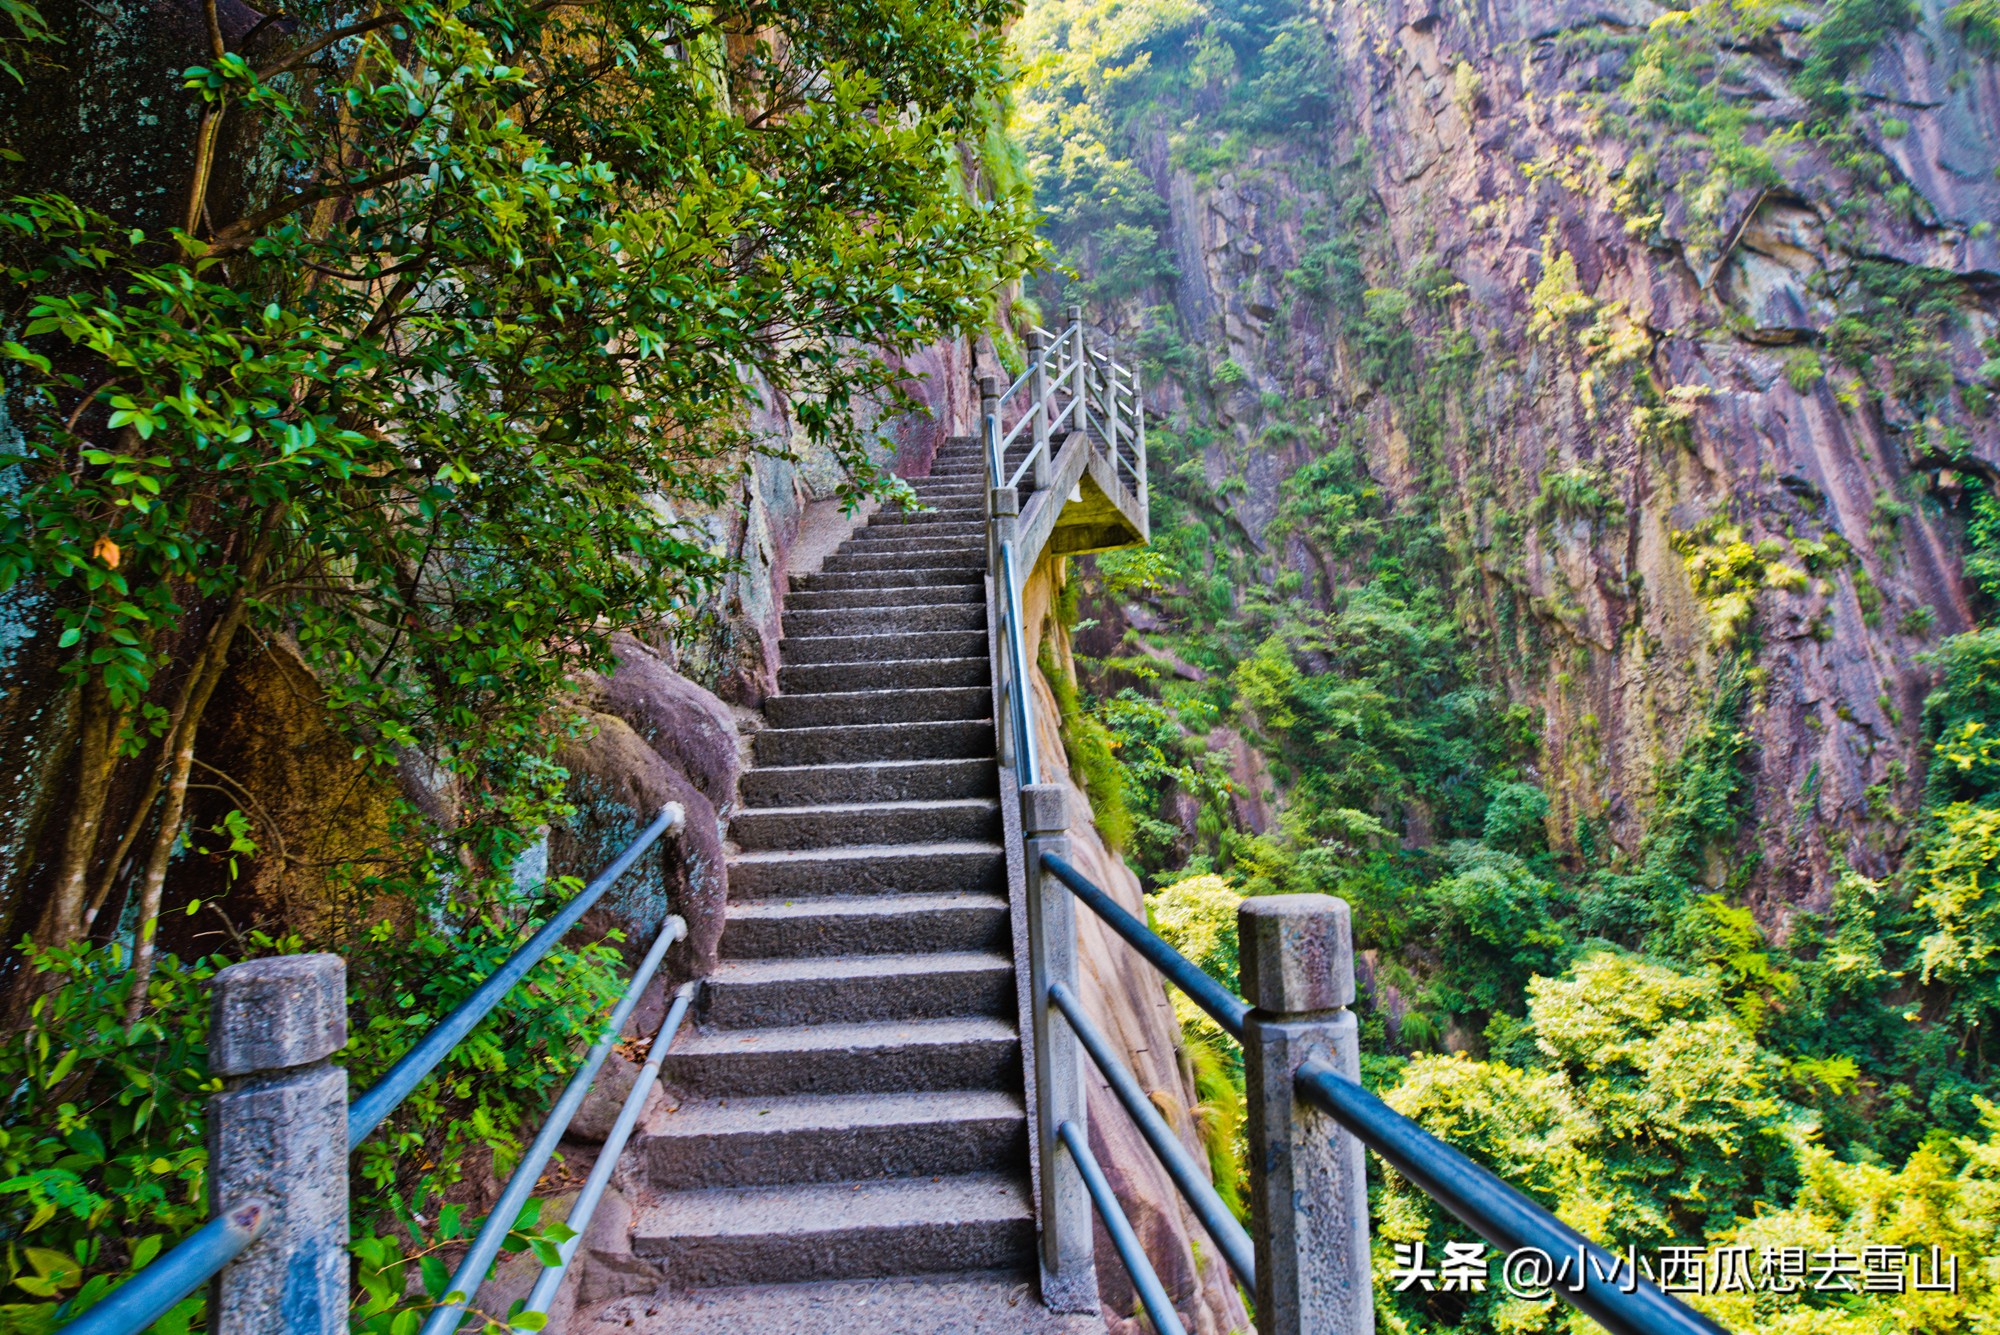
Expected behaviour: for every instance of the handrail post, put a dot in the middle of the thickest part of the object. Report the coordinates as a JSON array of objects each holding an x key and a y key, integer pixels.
[
  {"x": 1111, "y": 415},
  {"x": 989, "y": 429},
  {"x": 1069, "y": 1271},
  {"x": 1080, "y": 420},
  {"x": 1308, "y": 1183},
  {"x": 1139, "y": 453},
  {"x": 1038, "y": 344},
  {"x": 1003, "y": 510},
  {"x": 278, "y": 1131}
]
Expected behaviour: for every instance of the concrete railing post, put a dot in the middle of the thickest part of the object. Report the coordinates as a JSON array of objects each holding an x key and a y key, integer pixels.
[
  {"x": 1069, "y": 1270},
  {"x": 1003, "y": 510},
  {"x": 1308, "y": 1184},
  {"x": 989, "y": 425},
  {"x": 1081, "y": 387},
  {"x": 278, "y": 1132},
  {"x": 1038, "y": 386},
  {"x": 1139, "y": 453}
]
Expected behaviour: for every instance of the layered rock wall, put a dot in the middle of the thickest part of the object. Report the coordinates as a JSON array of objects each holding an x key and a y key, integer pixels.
[{"x": 1627, "y": 402}]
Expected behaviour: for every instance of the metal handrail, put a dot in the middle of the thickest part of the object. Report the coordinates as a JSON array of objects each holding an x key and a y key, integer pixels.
[
  {"x": 1470, "y": 1193},
  {"x": 152, "y": 1293},
  {"x": 1144, "y": 1278},
  {"x": 1025, "y": 767},
  {"x": 1227, "y": 1009},
  {"x": 366, "y": 1113},
  {"x": 1498, "y": 1213},
  {"x": 485, "y": 1249},
  {"x": 544, "y": 1293},
  {"x": 1230, "y": 1237}
]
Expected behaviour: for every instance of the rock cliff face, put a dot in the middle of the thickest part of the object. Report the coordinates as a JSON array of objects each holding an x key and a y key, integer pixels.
[{"x": 1665, "y": 406}]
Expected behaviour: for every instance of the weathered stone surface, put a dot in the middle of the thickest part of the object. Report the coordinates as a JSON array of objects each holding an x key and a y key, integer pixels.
[
  {"x": 284, "y": 1141},
  {"x": 1457, "y": 117},
  {"x": 688, "y": 726},
  {"x": 279, "y": 1012},
  {"x": 1297, "y": 953},
  {"x": 618, "y": 784}
]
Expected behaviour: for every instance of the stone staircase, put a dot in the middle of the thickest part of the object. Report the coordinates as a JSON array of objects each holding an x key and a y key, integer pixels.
[{"x": 849, "y": 1106}]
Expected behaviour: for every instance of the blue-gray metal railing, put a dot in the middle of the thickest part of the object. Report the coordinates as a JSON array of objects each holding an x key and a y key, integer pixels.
[
  {"x": 152, "y": 1293},
  {"x": 543, "y": 1295},
  {"x": 399, "y": 1080},
  {"x": 1225, "y": 1007},
  {"x": 1621, "y": 1302},
  {"x": 1194, "y": 1185},
  {"x": 479, "y": 1258},
  {"x": 1152, "y": 1294},
  {"x": 148, "y": 1295},
  {"x": 1498, "y": 1213}
]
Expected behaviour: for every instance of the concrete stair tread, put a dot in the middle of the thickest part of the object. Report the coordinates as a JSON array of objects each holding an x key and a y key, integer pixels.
[
  {"x": 921, "y": 804},
  {"x": 885, "y": 666},
  {"x": 803, "y": 968},
  {"x": 796, "y": 1112},
  {"x": 769, "y": 786},
  {"x": 826, "y": 729},
  {"x": 865, "y": 852},
  {"x": 895, "y": 608},
  {"x": 793, "y": 1210},
  {"x": 949, "y": 1032},
  {"x": 859, "y": 906},
  {"x": 999, "y": 1303},
  {"x": 819, "y": 649}
]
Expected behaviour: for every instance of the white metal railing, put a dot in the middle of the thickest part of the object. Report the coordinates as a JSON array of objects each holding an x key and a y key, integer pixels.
[{"x": 1069, "y": 388}]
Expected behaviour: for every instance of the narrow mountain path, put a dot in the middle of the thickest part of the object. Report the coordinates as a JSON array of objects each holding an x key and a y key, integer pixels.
[{"x": 849, "y": 1110}]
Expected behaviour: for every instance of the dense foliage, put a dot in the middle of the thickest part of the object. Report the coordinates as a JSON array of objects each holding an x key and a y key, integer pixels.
[{"x": 434, "y": 383}]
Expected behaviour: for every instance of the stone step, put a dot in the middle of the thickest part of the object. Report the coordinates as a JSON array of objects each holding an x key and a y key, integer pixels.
[
  {"x": 836, "y": 1138},
  {"x": 996, "y": 1302},
  {"x": 808, "y": 622},
  {"x": 950, "y": 491},
  {"x": 890, "y": 924},
  {"x": 805, "y": 649},
  {"x": 947, "y": 507},
  {"x": 827, "y": 581},
  {"x": 942, "y": 525},
  {"x": 820, "y": 709},
  {"x": 877, "y": 869},
  {"x": 947, "y": 739},
  {"x": 981, "y": 1053},
  {"x": 848, "y": 561},
  {"x": 813, "y": 678},
  {"x": 876, "y": 781},
  {"x": 832, "y": 825},
  {"x": 907, "y": 1226},
  {"x": 905, "y": 595},
  {"x": 854, "y": 989},
  {"x": 914, "y": 541}
]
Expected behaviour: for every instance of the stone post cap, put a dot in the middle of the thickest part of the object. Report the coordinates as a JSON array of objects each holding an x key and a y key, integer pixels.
[
  {"x": 1296, "y": 952},
  {"x": 1044, "y": 809},
  {"x": 1002, "y": 501},
  {"x": 269, "y": 1014}
]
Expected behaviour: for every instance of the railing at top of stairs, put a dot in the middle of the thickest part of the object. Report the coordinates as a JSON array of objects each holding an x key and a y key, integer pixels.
[
  {"x": 1305, "y": 1256},
  {"x": 281, "y": 1130}
]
